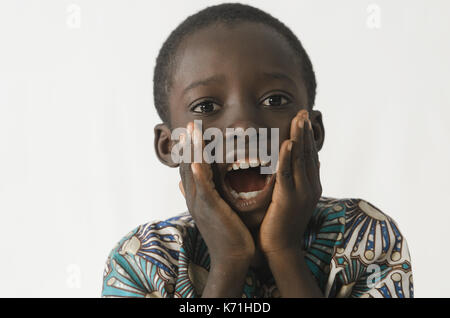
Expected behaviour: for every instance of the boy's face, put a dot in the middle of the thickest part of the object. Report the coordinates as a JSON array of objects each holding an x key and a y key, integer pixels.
[{"x": 242, "y": 76}]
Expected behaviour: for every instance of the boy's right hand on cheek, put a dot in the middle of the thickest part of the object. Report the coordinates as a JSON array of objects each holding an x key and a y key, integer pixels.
[{"x": 228, "y": 239}]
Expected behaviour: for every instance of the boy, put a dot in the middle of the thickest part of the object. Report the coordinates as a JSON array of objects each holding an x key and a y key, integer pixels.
[{"x": 247, "y": 234}]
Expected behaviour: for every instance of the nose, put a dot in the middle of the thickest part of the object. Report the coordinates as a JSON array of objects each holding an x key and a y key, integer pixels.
[
  {"x": 243, "y": 124},
  {"x": 242, "y": 127},
  {"x": 241, "y": 139},
  {"x": 243, "y": 113}
]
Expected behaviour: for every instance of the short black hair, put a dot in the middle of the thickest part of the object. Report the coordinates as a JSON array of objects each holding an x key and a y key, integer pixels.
[{"x": 227, "y": 13}]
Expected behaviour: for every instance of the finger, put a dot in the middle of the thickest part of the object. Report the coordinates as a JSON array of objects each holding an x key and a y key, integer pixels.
[
  {"x": 187, "y": 180},
  {"x": 202, "y": 172},
  {"x": 284, "y": 173},
  {"x": 294, "y": 127},
  {"x": 204, "y": 183},
  {"x": 298, "y": 157},
  {"x": 190, "y": 140},
  {"x": 198, "y": 143},
  {"x": 314, "y": 147},
  {"x": 310, "y": 164},
  {"x": 193, "y": 142},
  {"x": 295, "y": 131},
  {"x": 316, "y": 168}
]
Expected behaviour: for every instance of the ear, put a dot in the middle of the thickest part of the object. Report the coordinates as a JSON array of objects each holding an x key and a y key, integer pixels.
[
  {"x": 318, "y": 128},
  {"x": 163, "y": 145}
]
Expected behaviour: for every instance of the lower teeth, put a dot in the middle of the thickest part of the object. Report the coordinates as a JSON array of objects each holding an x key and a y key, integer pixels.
[
  {"x": 244, "y": 195},
  {"x": 251, "y": 194}
]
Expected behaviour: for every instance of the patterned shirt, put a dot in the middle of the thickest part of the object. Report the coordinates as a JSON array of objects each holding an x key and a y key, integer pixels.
[{"x": 352, "y": 249}]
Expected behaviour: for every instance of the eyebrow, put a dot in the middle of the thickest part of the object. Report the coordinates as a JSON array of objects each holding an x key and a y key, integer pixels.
[
  {"x": 280, "y": 76},
  {"x": 220, "y": 78},
  {"x": 215, "y": 78}
]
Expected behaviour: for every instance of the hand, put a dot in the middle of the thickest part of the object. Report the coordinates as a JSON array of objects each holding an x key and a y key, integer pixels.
[
  {"x": 226, "y": 236},
  {"x": 296, "y": 192}
]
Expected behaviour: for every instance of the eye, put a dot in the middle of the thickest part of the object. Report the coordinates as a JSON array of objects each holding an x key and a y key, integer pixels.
[
  {"x": 205, "y": 107},
  {"x": 276, "y": 100}
]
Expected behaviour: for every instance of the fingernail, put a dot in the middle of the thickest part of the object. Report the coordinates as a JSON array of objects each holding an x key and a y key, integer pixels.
[
  {"x": 190, "y": 128},
  {"x": 289, "y": 146},
  {"x": 301, "y": 123}
]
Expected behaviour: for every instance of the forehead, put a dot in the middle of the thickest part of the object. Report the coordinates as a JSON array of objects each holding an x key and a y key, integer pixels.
[{"x": 238, "y": 51}]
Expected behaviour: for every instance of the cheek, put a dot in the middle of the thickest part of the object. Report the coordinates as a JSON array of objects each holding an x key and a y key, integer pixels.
[
  {"x": 282, "y": 121},
  {"x": 284, "y": 128},
  {"x": 285, "y": 132},
  {"x": 176, "y": 121},
  {"x": 178, "y": 115}
]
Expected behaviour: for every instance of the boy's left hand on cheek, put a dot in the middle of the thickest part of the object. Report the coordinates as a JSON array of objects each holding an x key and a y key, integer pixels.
[{"x": 296, "y": 193}]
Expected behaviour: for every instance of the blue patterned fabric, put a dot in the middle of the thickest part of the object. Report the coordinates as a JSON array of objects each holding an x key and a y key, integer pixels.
[{"x": 352, "y": 248}]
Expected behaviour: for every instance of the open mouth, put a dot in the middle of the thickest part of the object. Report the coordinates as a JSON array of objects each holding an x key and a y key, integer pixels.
[{"x": 245, "y": 186}]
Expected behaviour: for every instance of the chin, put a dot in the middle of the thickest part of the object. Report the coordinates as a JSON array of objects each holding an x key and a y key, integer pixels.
[{"x": 245, "y": 189}]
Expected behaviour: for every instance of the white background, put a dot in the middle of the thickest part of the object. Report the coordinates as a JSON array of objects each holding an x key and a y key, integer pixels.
[{"x": 77, "y": 166}]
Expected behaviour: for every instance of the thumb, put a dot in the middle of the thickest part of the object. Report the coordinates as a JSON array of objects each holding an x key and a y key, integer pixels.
[{"x": 180, "y": 184}]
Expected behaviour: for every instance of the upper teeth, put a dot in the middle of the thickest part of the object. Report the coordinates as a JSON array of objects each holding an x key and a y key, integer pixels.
[
  {"x": 247, "y": 164},
  {"x": 244, "y": 165},
  {"x": 254, "y": 164}
]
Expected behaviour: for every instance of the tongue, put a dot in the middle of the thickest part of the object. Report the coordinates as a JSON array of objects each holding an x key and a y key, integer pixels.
[{"x": 247, "y": 180}]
